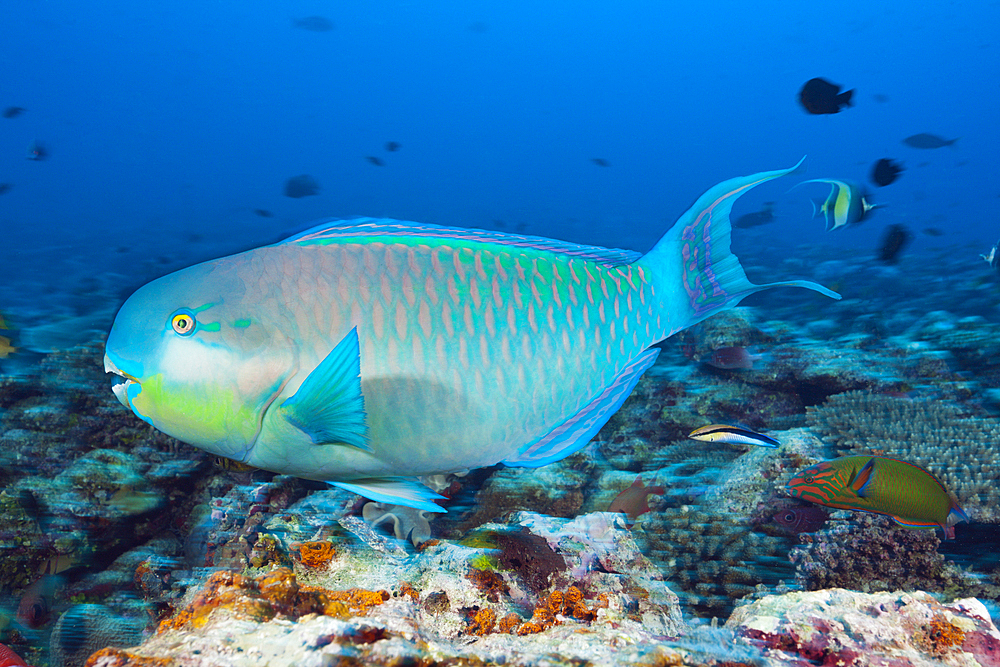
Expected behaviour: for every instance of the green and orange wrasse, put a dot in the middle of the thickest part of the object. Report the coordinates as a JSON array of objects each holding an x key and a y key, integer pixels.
[
  {"x": 907, "y": 493},
  {"x": 371, "y": 353},
  {"x": 733, "y": 435}
]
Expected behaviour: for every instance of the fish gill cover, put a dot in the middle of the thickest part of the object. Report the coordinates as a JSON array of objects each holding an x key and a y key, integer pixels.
[{"x": 139, "y": 141}]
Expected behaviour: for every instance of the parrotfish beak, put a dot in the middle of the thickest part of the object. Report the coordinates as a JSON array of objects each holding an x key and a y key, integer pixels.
[{"x": 126, "y": 387}]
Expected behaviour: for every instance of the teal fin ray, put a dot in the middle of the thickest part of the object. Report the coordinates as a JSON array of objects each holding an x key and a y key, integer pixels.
[
  {"x": 708, "y": 274},
  {"x": 395, "y": 491},
  {"x": 329, "y": 406},
  {"x": 574, "y": 433}
]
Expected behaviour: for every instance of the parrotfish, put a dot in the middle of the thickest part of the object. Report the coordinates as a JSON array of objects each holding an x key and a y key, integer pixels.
[
  {"x": 907, "y": 493},
  {"x": 374, "y": 352},
  {"x": 734, "y": 435},
  {"x": 846, "y": 204}
]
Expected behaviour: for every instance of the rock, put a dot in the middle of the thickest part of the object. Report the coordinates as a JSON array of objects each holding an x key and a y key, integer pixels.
[{"x": 840, "y": 627}]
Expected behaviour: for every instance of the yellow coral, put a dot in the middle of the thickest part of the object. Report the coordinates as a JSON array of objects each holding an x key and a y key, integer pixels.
[
  {"x": 483, "y": 622},
  {"x": 508, "y": 623},
  {"x": 316, "y": 554},
  {"x": 942, "y": 634}
]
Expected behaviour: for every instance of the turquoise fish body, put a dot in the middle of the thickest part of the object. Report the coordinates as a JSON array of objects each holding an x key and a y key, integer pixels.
[{"x": 374, "y": 352}]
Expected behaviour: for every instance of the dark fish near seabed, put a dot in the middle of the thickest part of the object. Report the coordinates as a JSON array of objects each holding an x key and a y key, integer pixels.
[
  {"x": 314, "y": 24},
  {"x": 633, "y": 501},
  {"x": 263, "y": 212},
  {"x": 761, "y": 217},
  {"x": 819, "y": 96},
  {"x": 886, "y": 171},
  {"x": 600, "y": 162},
  {"x": 733, "y": 358},
  {"x": 806, "y": 519},
  {"x": 378, "y": 162},
  {"x": 13, "y": 112},
  {"x": 5, "y": 188},
  {"x": 732, "y": 435},
  {"x": 893, "y": 241},
  {"x": 303, "y": 185},
  {"x": 393, "y": 146},
  {"x": 932, "y": 231},
  {"x": 924, "y": 140}
]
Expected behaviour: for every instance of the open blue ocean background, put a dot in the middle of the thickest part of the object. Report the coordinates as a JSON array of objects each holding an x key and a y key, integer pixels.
[{"x": 168, "y": 125}]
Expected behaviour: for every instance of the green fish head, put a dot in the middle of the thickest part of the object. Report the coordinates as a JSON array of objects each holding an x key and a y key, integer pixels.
[
  {"x": 818, "y": 483},
  {"x": 194, "y": 363}
]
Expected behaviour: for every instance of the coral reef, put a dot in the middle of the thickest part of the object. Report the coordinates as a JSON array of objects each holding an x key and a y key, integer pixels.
[
  {"x": 868, "y": 552},
  {"x": 959, "y": 449},
  {"x": 85, "y": 628},
  {"x": 838, "y": 627}
]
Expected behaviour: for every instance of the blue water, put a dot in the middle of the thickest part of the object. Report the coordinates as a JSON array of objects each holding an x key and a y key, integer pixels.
[
  {"x": 169, "y": 125},
  {"x": 168, "y": 120}
]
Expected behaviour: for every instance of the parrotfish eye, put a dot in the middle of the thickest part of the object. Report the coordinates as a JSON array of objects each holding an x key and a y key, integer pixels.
[
  {"x": 789, "y": 516},
  {"x": 809, "y": 479},
  {"x": 183, "y": 322}
]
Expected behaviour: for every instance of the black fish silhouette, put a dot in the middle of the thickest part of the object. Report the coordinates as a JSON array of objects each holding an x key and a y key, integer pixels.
[{"x": 819, "y": 96}]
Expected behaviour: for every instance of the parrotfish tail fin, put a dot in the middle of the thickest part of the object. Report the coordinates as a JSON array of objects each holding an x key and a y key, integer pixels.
[
  {"x": 693, "y": 267},
  {"x": 395, "y": 491}
]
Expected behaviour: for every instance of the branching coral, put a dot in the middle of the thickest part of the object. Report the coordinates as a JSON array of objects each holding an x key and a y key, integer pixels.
[
  {"x": 712, "y": 559},
  {"x": 960, "y": 450}
]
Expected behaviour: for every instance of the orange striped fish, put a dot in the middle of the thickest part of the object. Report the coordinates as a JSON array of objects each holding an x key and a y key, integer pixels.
[{"x": 371, "y": 353}]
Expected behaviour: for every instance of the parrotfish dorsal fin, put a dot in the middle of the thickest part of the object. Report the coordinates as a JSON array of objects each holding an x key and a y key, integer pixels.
[
  {"x": 370, "y": 229},
  {"x": 328, "y": 406},
  {"x": 864, "y": 477}
]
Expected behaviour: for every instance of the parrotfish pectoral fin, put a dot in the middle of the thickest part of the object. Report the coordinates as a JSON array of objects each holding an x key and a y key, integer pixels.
[
  {"x": 864, "y": 478},
  {"x": 328, "y": 405},
  {"x": 395, "y": 491},
  {"x": 574, "y": 433},
  {"x": 694, "y": 256}
]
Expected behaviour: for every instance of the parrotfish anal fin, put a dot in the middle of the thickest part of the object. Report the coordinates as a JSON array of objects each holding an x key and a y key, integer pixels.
[
  {"x": 574, "y": 433},
  {"x": 329, "y": 406},
  {"x": 864, "y": 477},
  {"x": 395, "y": 491},
  {"x": 369, "y": 230}
]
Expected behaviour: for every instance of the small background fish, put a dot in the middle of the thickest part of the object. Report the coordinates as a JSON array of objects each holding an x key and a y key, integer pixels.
[{"x": 926, "y": 141}]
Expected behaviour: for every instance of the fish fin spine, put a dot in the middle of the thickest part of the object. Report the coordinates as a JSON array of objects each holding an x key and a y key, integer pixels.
[
  {"x": 328, "y": 406},
  {"x": 692, "y": 266},
  {"x": 863, "y": 479}
]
